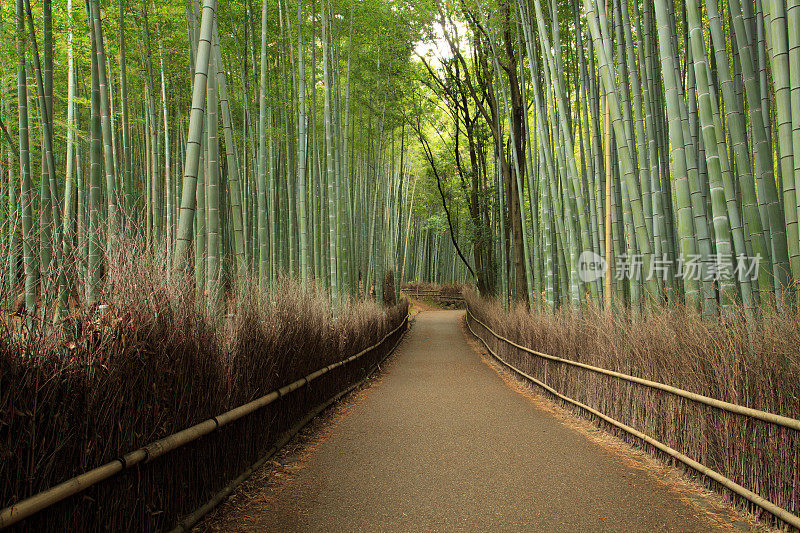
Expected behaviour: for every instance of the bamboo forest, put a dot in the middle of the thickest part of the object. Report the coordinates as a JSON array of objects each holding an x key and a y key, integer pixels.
[{"x": 257, "y": 258}]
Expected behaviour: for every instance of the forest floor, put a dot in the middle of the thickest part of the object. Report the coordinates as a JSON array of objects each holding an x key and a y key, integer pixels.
[{"x": 444, "y": 440}]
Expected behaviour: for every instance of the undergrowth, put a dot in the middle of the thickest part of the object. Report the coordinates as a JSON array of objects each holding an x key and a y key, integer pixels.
[{"x": 152, "y": 363}]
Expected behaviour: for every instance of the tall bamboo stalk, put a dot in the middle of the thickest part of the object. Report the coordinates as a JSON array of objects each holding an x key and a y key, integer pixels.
[{"x": 188, "y": 195}]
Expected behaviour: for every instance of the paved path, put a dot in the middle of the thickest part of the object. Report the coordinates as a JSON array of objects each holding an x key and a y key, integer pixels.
[{"x": 443, "y": 444}]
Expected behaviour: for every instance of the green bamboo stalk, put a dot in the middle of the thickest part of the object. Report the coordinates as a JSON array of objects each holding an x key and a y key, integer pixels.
[
  {"x": 127, "y": 148},
  {"x": 706, "y": 107},
  {"x": 793, "y": 37},
  {"x": 213, "y": 248},
  {"x": 47, "y": 242},
  {"x": 9, "y": 196},
  {"x": 783, "y": 110},
  {"x": 331, "y": 175},
  {"x": 26, "y": 199},
  {"x": 188, "y": 195},
  {"x": 82, "y": 260},
  {"x": 168, "y": 222},
  {"x": 263, "y": 245},
  {"x": 302, "y": 143},
  {"x": 155, "y": 204},
  {"x": 69, "y": 190},
  {"x": 272, "y": 208},
  {"x": 95, "y": 245},
  {"x": 643, "y": 157},
  {"x": 201, "y": 219},
  {"x": 234, "y": 176}
]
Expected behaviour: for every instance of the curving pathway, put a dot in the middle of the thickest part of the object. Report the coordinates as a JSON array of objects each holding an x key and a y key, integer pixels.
[{"x": 441, "y": 443}]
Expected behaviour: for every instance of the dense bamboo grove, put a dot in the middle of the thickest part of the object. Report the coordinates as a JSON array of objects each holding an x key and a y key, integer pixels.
[
  {"x": 520, "y": 145},
  {"x": 656, "y": 138},
  {"x": 246, "y": 145}
]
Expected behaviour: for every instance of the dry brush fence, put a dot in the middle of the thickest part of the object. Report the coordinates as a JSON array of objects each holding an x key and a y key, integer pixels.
[
  {"x": 750, "y": 454},
  {"x": 138, "y": 376}
]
